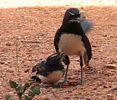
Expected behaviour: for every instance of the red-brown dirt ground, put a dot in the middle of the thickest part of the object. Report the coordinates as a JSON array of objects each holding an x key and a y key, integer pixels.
[{"x": 33, "y": 30}]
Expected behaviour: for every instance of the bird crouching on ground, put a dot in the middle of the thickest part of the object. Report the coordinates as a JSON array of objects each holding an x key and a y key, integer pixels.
[
  {"x": 50, "y": 70},
  {"x": 71, "y": 39}
]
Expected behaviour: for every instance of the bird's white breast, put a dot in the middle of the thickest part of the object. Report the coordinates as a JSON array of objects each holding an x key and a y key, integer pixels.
[
  {"x": 71, "y": 44},
  {"x": 53, "y": 77}
]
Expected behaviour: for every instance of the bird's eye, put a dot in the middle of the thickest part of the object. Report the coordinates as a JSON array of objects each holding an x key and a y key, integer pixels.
[{"x": 71, "y": 13}]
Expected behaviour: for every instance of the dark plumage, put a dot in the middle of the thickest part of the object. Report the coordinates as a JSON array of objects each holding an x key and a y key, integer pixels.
[
  {"x": 85, "y": 24},
  {"x": 71, "y": 39},
  {"x": 50, "y": 70}
]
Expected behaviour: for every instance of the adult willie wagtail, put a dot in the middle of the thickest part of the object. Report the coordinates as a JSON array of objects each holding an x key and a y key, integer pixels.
[
  {"x": 71, "y": 39},
  {"x": 50, "y": 70}
]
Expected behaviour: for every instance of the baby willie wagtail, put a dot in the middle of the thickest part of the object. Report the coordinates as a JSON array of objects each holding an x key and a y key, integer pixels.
[
  {"x": 50, "y": 70},
  {"x": 71, "y": 39}
]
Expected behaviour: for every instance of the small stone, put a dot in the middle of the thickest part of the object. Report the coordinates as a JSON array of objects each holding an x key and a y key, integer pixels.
[
  {"x": 67, "y": 98},
  {"x": 1, "y": 63},
  {"x": 10, "y": 71},
  {"x": 95, "y": 88},
  {"x": 27, "y": 70},
  {"x": 105, "y": 86},
  {"x": 88, "y": 99},
  {"x": 8, "y": 44},
  {"x": 109, "y": 97},
  {"x": 111, "y": 66}
]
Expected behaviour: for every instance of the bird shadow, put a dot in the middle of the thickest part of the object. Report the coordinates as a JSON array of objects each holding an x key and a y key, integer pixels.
[{"x": 73, "y": 80}]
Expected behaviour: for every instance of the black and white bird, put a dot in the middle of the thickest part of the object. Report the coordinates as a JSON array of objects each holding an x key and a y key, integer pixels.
[
  {"x": 50, "y": 70},
  {"x": 71, "y": 38}
]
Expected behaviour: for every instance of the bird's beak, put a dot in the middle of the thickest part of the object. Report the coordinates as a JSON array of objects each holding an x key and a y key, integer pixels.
[{"x": 75, "y": 20}]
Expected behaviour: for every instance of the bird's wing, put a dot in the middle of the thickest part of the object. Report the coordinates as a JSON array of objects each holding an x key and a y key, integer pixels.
[
  {"x": 39, "y": 67},
  {"x": 87, "y": 46},
  {"x": 66, "y": 60},
  {"x": 56, "y": 39}
]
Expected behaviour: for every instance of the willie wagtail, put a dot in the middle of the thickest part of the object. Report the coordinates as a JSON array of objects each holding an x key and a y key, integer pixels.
[
  {"x": 71, "y": 39},
  {"x": 50, "y": 70}
]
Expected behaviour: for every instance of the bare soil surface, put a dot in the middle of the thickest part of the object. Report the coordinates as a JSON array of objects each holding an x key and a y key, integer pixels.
[
  {"x": 33, "y": 3},
  {"x": 33, "y": 30}
]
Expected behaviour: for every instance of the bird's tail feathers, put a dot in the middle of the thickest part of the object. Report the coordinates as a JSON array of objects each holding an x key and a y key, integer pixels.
[{"x": 86, "y": 24}]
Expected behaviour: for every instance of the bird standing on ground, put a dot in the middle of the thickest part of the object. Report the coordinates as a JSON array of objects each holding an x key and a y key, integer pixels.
[
  {"x": 71, "y": 39},
  {"x": 50, "y": 70}
]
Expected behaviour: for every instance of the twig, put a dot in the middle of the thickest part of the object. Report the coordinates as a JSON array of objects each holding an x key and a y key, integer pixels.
[
  {"x": 30, "y": 41},
  {"x": 17, "y": 59}
]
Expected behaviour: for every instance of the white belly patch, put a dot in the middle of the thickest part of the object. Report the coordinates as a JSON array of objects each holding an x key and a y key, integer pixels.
[
  {"x": 54, "y": 77},
  {"x": 71, "y": 44}
]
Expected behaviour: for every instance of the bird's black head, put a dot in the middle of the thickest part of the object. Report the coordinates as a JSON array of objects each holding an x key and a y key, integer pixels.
[
  {"x": 71, "y": 15},
  {"x": 55, "y": 59}
]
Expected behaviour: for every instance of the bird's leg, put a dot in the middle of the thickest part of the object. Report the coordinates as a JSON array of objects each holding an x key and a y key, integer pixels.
[
  {"x": 60, "y": 84},
  {"x": 65, "y": 79},
  {"x": 67, "y": 62},
  {"x": 81, "y": 65}
]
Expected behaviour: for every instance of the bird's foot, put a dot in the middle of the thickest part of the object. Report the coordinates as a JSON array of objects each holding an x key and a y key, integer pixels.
[
  {"x": 82, "y": 82},
  {"x": 65, "y": 81},
  {"x": 60, "y": 84}
]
